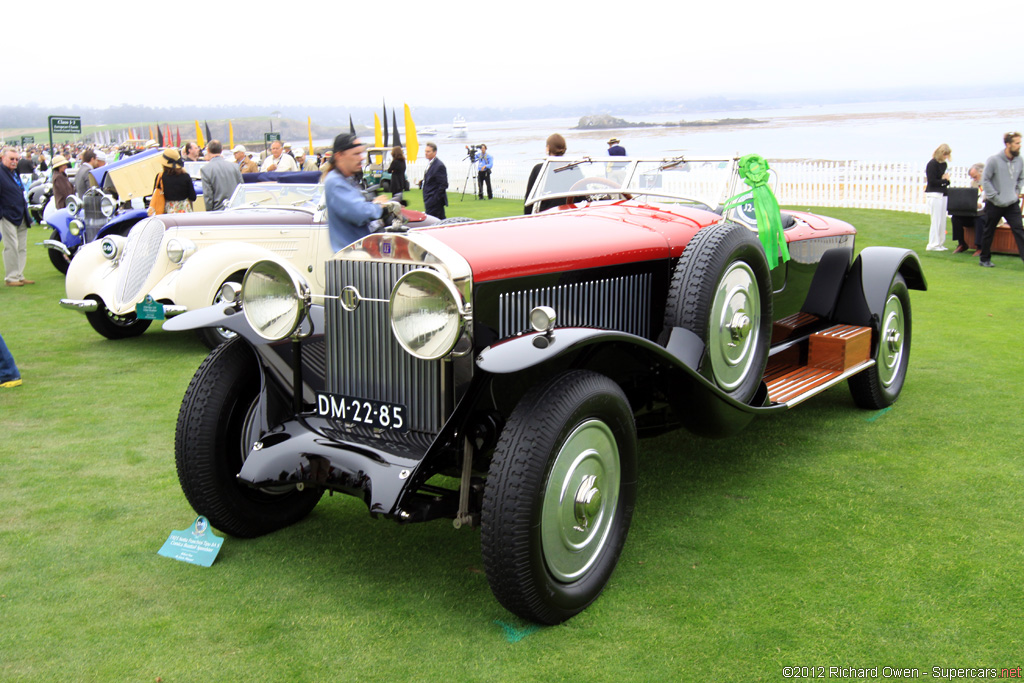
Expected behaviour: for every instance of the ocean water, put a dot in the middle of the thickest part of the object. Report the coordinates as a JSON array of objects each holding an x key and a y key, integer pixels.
[{"x": 869, "y": 131}]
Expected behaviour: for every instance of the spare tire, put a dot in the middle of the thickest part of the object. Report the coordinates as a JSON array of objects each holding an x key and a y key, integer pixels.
[{"x": 721, "y": 291}]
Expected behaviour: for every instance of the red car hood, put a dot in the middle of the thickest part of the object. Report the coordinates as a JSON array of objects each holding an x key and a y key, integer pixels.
[{"x": 571, "y": 240}]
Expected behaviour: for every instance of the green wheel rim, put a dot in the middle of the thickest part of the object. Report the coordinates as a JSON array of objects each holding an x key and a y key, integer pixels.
[
  {"x": 890, "y": 352},
  {"x": 734, "y": 326},
  {"x": 580, "y": 500}
]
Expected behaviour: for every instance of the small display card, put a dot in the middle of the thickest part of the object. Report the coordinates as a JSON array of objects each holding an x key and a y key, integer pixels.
[{"x": 195, "y": 545}]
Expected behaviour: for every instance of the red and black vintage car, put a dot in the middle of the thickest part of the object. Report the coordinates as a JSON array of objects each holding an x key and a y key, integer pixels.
[{"x": 499, "y": 373}]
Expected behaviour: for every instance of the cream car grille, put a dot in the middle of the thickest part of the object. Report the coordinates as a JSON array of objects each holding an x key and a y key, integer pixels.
[
  {"x": 622, "y": 304},
  {"x": 140, "y": 254},
  {"x": 363, "y": 358}
]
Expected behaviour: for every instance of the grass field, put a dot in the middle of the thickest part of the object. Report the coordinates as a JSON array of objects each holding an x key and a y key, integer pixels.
[{"x": 828, "y": 536}]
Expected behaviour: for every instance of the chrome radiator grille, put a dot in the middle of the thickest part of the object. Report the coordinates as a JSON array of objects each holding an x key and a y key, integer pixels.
[
  {"x": 140, "y": 253},
  {"x": 622, "y": 304},
  {"x": 94, "y": 218},
  {"x": 363, "y": 358}
]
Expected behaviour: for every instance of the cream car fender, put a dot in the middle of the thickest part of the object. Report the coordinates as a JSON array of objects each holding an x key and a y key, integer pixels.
[
  {"x": 87, "y": 272},
  {"x": 203, "y": 273}
]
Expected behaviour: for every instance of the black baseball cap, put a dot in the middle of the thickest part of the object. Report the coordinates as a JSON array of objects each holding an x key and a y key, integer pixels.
[{"x": 345, "y": 141}]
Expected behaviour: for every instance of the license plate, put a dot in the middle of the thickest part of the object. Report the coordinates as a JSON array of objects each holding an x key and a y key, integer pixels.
[{"x": 376, "y": 414}]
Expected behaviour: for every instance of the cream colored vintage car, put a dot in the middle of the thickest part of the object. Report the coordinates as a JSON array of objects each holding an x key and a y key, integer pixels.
[{"x": 170, "y": 264}]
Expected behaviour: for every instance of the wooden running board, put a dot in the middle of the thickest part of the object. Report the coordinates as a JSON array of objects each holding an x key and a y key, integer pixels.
[{"x": 835, "y": 354}]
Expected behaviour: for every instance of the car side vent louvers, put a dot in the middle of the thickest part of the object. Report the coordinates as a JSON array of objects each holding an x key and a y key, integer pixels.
[
  {"x": 622, "y": 304},
  {"x": 365, "y": 361},
  {"x": 140, "y": 253}
]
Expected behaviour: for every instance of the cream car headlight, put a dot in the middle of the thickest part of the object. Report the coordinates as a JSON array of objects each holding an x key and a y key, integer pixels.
[
  {"x": 179, "y": 249},
  {"x": 274, "y": 299},
  {"x": 75, "y": 227},
  {"x": 112, "y": 246},
  {"x": 426, "y": 316},
  {"x": 107, "y": 206},
  {"x": 73, "y": 204}
]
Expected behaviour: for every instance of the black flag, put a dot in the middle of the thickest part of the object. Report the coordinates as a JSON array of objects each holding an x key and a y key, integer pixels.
[
  {"x": 351, "y": 126},
  {"x": 394, "y": 121},
  {"x": 159, "y": 136},
  {"x": 385, "y": 125},
  {"x": 208, "y": 136}
]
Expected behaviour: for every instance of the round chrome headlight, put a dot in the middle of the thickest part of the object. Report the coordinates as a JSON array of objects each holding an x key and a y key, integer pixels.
[
  {"x": 107, "y": 206},
  {"x": 426, "y": 317},
  {"x": 179, "y": 249},
  {"x": 112, "y": 246},
  {"x": 75, "y": 227},
  {"x": 73, "y": 204},
  {"x": 274, "y": 299}
]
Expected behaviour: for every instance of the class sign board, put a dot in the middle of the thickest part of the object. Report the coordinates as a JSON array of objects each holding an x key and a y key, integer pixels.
[
  {"x": 270, "y": 137},
  {"x": 195, "y": 545},
  {"x": 66, "y": 124},
  {"x": 27, "y": 140}
]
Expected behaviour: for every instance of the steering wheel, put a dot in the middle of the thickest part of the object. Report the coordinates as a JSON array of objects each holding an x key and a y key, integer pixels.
[{"x": 586, "y": 183}]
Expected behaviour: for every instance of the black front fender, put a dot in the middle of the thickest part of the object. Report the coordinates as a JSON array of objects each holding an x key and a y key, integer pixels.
[
  {"x": 862, "y": 298},
  {"x": 700, "y": 405}
]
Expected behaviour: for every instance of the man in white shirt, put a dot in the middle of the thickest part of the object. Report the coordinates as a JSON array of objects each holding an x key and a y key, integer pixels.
[{"x": 277, "y": 160}]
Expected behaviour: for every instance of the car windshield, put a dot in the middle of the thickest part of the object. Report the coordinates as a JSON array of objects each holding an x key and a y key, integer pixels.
[
  {"x": 698, "y": 180},
  {"x": 289, "y": 195}
]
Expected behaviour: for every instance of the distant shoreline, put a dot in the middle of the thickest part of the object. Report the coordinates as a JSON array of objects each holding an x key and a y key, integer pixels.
[{"x": 606, "y": 122}]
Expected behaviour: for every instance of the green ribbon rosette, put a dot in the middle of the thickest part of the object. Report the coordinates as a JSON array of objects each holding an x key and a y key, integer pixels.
[{"x": 754, "y": 171}]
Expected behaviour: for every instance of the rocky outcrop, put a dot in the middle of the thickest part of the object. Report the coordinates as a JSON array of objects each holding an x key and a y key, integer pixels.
[{"x": 606, "y": 122}]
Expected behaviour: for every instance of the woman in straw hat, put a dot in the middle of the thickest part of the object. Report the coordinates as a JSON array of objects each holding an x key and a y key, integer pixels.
[
  {"x": 62, "y": 187},
  {"x": 179, "y": 192}
]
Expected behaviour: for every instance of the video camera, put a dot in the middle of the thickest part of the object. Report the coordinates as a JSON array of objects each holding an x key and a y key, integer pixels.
[{"x": 471, "y": 152}]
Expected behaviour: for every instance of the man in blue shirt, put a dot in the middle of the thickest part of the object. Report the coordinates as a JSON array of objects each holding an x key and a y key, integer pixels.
[
  {"x": 348, "y": 212},
  {"x": 615, "y": 149},
  {"x": 485, "y": 162}
]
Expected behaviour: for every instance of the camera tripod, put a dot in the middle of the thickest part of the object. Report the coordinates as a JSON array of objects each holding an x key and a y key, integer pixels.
[{"x": 471, "y": 155}]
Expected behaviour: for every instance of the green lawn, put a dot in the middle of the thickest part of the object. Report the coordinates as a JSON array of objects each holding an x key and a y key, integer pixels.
[{"x": 828, "y": 536}]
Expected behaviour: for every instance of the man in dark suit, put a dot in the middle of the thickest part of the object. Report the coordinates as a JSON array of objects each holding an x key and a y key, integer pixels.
[
  {"x": 14, "y": 220},
  {"x": 434, "y": 184}
]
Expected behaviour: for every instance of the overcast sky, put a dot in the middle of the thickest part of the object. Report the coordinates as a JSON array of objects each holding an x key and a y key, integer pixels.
[{"x": 466, "y": 53}]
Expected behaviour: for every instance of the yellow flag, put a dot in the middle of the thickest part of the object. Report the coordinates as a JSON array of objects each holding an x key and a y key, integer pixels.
[
  {"x": 199, "y": 136},
  {"x": 412, "y": 143},
  {"x": 231, "y": 135},
  {"x": 309, "y": 128},
  {"x": 378, "y": 138},
  {"x": 151, "y": 135}
]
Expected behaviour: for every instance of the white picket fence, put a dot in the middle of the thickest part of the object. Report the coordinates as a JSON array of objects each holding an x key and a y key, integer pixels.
[{"x": 845, "y": 184}]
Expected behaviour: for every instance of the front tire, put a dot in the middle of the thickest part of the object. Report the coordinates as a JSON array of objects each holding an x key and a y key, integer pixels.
[
  {"x": 880, "y": 385},
  {"x": 113, "y": 326},
  {"x": 57, "y": 258},
  {"x": 216, "y": 428},
  {"x": 559, "y": 496}
]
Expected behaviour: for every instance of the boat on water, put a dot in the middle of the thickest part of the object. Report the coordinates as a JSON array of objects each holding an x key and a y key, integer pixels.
[
  {"x": 459, "y": 128},
  {"x": 427, "y": 132}
]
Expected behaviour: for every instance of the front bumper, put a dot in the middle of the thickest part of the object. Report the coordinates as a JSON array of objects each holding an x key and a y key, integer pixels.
[
  {"x": 58, "y": 246},
  {"x": 91, "y": 306},
  {"x": 303, "y": 452}
]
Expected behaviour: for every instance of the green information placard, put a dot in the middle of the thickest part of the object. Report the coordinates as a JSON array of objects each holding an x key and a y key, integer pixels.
[
  {"x": 195, "y": 545},
  {"x": 27, "y": 140},
  {"x": 270, "y": 137},
  {"x": 149, "y": 310}
]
